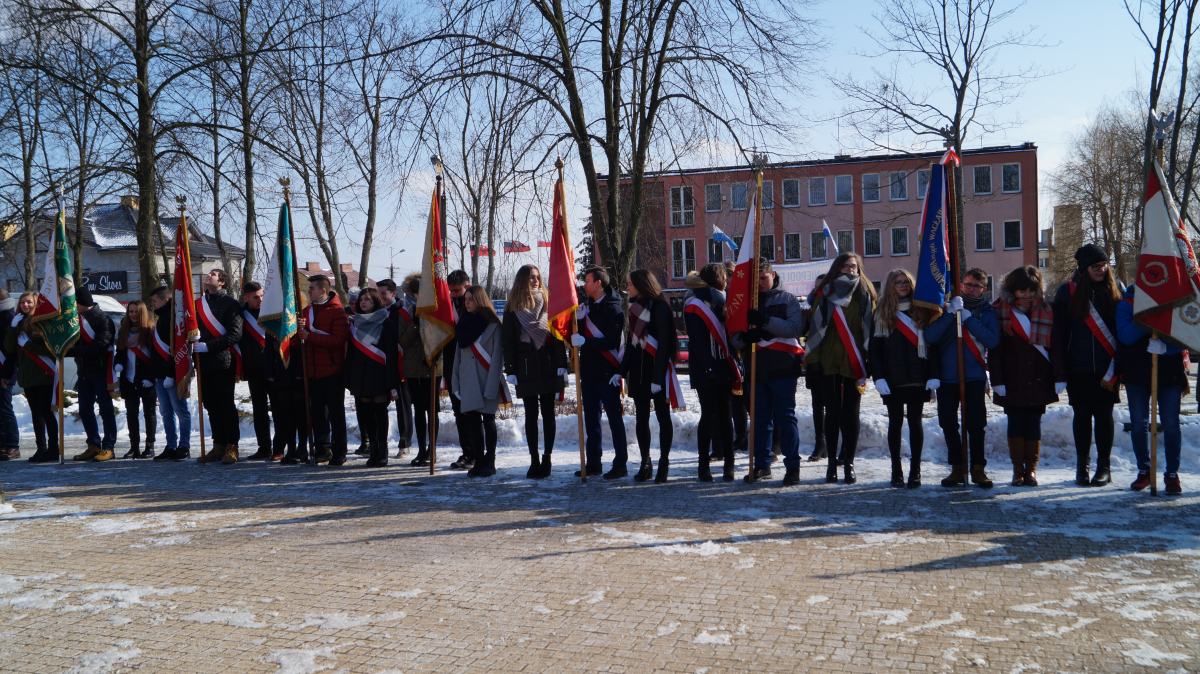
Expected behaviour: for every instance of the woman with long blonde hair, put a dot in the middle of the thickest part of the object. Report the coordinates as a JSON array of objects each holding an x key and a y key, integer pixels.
[
  {"x": 27, "y": 343},
  {"x": 135, "y": 343}
]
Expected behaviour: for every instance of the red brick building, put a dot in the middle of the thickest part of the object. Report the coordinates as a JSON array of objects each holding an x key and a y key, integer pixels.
[{"x": 872, "y": 204}]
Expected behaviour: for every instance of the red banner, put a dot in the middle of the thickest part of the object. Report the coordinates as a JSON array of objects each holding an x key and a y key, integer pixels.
[
  {"x": 560, "y": 282},
  {"x": 185, "y": 310}
]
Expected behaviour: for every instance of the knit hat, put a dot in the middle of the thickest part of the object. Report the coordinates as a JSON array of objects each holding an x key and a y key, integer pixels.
[
  {"x": 83, "y": 296},
  {"x": 1090, "y": 254}
]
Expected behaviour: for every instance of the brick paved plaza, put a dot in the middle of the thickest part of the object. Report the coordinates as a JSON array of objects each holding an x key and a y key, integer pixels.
[{"x": 151, "y": 567}]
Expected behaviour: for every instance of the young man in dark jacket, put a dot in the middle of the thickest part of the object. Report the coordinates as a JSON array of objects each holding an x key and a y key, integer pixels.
[
  {"x": 404, "y": 413},
  {"x": 219, "y": 317},
  {"x": 325, "y": 330},
  {"x": 254, "y": 340},
  {"x": 9, "y": 435},
  {"x": 600, "y": 342},
  {"x": 93, "y": 355}
]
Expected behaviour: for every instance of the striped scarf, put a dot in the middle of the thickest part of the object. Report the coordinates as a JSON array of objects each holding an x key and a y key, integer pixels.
[{"x": 1041, "y": 318}]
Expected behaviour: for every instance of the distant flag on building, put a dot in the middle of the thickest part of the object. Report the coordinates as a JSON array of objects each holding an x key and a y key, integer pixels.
[
  {"x": 933, "y": 262},
  {"x": 516, "y": 247},
  {"x": 718, "y": 235},
  {"x": 743, "y": 282},
  {"x": 480, "y": 250},
  {"x": 560, "y": 282},
  {"x": 830, "y": 242},
  {"x": 278, "y": 313},
  {"x": 55, "y": 313},
  {"x": 543, "y": 244}
]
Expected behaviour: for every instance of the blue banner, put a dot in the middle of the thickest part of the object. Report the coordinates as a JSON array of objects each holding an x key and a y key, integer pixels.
[{"x": 933, "y": 266}]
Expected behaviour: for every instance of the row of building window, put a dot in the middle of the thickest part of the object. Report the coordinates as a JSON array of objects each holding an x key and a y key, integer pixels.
[
  {"x": 683, "y": 251},
  {"x": 683, "y": 207}
]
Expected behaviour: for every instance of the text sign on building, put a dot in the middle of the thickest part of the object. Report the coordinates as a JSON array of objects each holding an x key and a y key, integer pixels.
[
  {"x": 800, "y": 279},
  {"x": 499, "y": 306},
  {"x": 106, "y": 282}
]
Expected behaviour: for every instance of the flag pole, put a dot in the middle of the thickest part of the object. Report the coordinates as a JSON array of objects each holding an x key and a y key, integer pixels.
[
  {"x": 753, "y": 287},
  {"x": 955, "y": 282},
  {"x": 558, "y": 164},
  {"x": 61, "y": 431},
  {"x": 1158, "y": 154},
  {"x": 287, "y": 199},
  {"x": 433, "y": 395},
  {"x": 187, "y": 256}
]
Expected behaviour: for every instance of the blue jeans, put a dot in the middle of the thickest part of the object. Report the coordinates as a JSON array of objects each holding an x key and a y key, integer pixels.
[
  {"x": 170, "y": 406},
  {"x": 92, "y": 392},
  {"x": 1139, "y": 419},
  {"x": 595, "y": 394},
  {"x": 10, "y": 437},
  {"x": 775, "y": 407}
]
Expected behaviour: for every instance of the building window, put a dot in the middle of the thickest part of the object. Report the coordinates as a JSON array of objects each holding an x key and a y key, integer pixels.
[
  {"x": 791, "y": 193},
  {"x": 791, "y": 246},
  {"x": 712, "y": 198},
  {"x": 845, "y": 240},
  {"x": 983, "y": 236},
  {"x": 990, "y": 295},
  {"x": 14, "y": 285},
  {"x": 983, "y": 179},
  {"x": 922, "y": 183},
  {"x": 768, "y": 197},
  {"x": 1012, "y": 178},
  {"x": 1043, "y": 262},
  {"x": 872, "y": 244},
  {"x": 870, "y": 187},
  {"x": 683, "y": 209},
  {"x": 739, "y": 196},
  {"x": 818, "y": 245},
  {"x": 766, "y": 246},
  {"x": 843, "y": 188},
  {"x": 899, "y": 241},
  {"x": 683, "y": 257},
  {"x": 899, "y": 191},
  {"x": 737, "y": 242},
  {"x": 716, "y": 251},
  {"x": 1012, "y": 234},
  {"x": 816, "y": 191}
]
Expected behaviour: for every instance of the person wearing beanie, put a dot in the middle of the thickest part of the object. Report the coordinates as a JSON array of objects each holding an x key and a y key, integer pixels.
[
  {"x": 94, "y": 356},
  {"x": 1085, "y": 358}
]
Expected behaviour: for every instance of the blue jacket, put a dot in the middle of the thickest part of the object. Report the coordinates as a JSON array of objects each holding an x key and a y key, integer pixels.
[
  {"x": 1135, "y": 360},
  {"x": 942, "y": 335}
]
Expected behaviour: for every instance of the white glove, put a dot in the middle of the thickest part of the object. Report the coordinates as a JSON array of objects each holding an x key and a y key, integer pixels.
[
  {"x": 512, "y": 379},
  {"x": 577, "y": 340},
  {"x": 147, "y": 384},
  {"x": 562, "y": 371},
  {"x": 956, "y": 304},
  {"x": 933, "y": 384},
  {"x": 395, "y": 394},
  {"x": 168, "y": 382},
  {"x": 1157, "y": 346},
  {"x": 1059, "y": 387},
  {"x": 805, "y": 306},
  {"x": 194, "y": 338},
  {"x": 615, "y": 381},
  {"x": 118, "y": 367},
  {"x": 200, "y": 347},
  {"x": 655, "y": 388},
  {"x": 1001, "y": 390},
  {"x": 882, "y": 387}
]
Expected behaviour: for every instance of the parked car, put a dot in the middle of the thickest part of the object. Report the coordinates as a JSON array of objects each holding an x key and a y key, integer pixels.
[{"x": 681, "y": 358}]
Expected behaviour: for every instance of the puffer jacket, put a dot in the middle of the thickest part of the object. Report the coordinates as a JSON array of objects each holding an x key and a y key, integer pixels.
[
  {"x": 228, "y": 313},
  {"x": 1076, "y": 350},
  {"x": 609, "y": 319},
  {"x": 638, "y": 367},
  {"x": 942, "y": 334},
  {"x": 896, "y": 360},
  {"x": 1136, "y": 362},
  {"x": 1018, "y": 366},
  {"x": 325, "y": 354},
  {"x": 707, "y": 364},
  {"x": 785, "y": 319},
  {"x": 536, "y": 370},
  {"x": 92, "y": 360}
]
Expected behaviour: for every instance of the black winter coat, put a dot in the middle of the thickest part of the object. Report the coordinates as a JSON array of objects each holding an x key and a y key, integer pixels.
[
  {"x": 8, "y": 311},
  {"x": 609, "y": 319},
  {"x": 163, "y": 368},
  {"x": 364, "y": 376},
  {"x": 273, "y": 368},
  {"x": 894, "y": 359},
  {"x": 91, "y": 360},
  {"x": 639, "y": 368},
  {"x": 229, "y": 314},
  {"x": 447, "y": 355},
  {"x": 536, "y": 370},
  {"x": 143, "y": 370},
  {"x": 707, "y": 364},
  {"x": 252, "y": 352},
  {"x": 1075, "y": 349}
]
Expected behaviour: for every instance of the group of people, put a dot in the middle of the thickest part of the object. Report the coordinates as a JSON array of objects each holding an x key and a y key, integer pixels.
[{"x": 1023, "y": 348}]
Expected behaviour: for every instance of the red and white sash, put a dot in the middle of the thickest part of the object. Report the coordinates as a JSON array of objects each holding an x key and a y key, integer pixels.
[
  {"x": 975, "y": 348},
  {"x": 784, "y": 344},
  {"x": 717, "y": 330},
  {"x": 214, "y": 327},
  {"x": 46, "y": 363},
  {"x": 1024, "y": 330},
  {"x": 857, "y": 364},
  {"x": 88, "y": 334},
  {"x": 907, "y": 327},
  {"x": 161, "y": 347},
  {"x": 485, "y": 359},
  {"x": 1100, "y": 330},
  {"x": 613, "y": 356},
  {"x": 310, "y": 322},
  {"x": 369, "y": 350},
  {"x": 674, "y": 392},
  {"x": 250, "y": 326}
]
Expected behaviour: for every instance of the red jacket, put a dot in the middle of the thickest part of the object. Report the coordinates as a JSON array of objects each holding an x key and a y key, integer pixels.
[{"x": 325, "y": 354}]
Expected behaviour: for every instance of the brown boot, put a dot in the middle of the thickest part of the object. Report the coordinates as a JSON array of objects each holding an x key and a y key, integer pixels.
[
  {"x": 1016, "y": 452},
  {"x": 956, "y": 478},
  {"x": 979, "y": 477},
  {"x": 91, "y": 453},
  {"x": 230, "y": 455},
  {"x": 1033, "y": 452},
  {"x": 215, "y": 454}
]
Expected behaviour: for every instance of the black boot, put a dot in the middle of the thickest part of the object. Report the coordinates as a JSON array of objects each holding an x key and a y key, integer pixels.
[
  {"x": 148, "y": 452},
  {"x": 485, "y": 466},
  {"x": 664, "y": 464},
  {"x": 422, "y": 458},
  {"x": 791, "y": 477},
  {"x": 1103, "y": 475},
  {"x": 535, "y": 465},
  {"x": 646, "y": 471},
  {"x": 897, "y": 470},
  {"x": 544, "y": 471},
  {"x": 831, "y": 470},
  {"x": 135, "y": 439},
  {"x": 1082, "y": 461},
  {"x": 704, "y": 471},
  {"x": 851, "y": 478},
  {"x": 728, "y": 475},
  {"x": 914, "y": 470},
  {"x": 168, "y": 453},
  {"x": 760, "y": 473},
  {"x": 819, "y": 451},
  {"x": 379, "y": 452}
]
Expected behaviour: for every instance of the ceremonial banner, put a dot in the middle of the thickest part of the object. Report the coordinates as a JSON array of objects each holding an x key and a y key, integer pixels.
[
  {"x": 933, "y": 263},
  {"x": 185, "y": 311},
  {"x": 433, "y": 300},
  {"x": 55, "y": 313},
  {"x": 741, "y": 285},
  {"x": 279, "y": 311},
  {"x": 560, "y": 282},
  {"x": 1166, "y": 296}
]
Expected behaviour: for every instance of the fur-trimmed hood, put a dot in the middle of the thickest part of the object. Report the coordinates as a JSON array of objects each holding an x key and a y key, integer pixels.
[{"x": 693, "y": 281}]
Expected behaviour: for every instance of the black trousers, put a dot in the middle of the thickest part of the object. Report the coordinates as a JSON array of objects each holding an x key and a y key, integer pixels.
[
  {"x": 404, "y": 415},
  {"x": 469, "y": 448},
  {"x": 545, "y": 403},
  {"x": 139, "y": 401},
  {"x": 218, "y": 402},
  {"x": 481, "y": 428},
  {"x": 947, "y": 402},
  {"x": 716, "y": 420},
  {"x": 818, "y": 412},
  {"x": 45, "y": 422},
  {"x": 328, "y": 402},
  {"x": 418, "y": 388},
  {"x": 740, "y": 404},
  {"x": 916, "y": 434},
  {"x": 1091, "y": 404},
  {"x": 260, "y": 399},
  {"x": 1025, "y": 422},
  {"x": 842, "y": 403},
  {"x": 289, "y": 410},
  {"x": 666, "y": 431}
]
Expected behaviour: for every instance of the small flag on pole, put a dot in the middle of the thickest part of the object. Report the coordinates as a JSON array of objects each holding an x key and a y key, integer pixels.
[
  {"x": 830, "y": 242},
  {"x": 516, "y": 247},
  {"x": 543, "y": 244},
  {"x": 278, "y": 313},
  {"x": 561, "y": 281},
  {"x": 718, "y": 235}
]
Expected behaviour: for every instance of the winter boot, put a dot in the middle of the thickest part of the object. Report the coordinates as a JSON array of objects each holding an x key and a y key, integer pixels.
[
  {"x": 1016, "y": 452},
  {"x": 1103, "y": 474},
  {"x": 260, "y": 455},
  {"x": 544, "y": 471},
  {"x": 92, "y": 451},
  {"x": 914, "y": 469},
  {"x": 535, "y": 465},
  {"x": 489, "y": 461},
  {"x": 148, "y": 452},
  {"x": 819, "y": 451},
  {"x": 422, "y": 458},
  {"x": 848, "y": 469},
  {"x": 760, "y": 474},
  {"x": 646, "y": 471},
  {"x": 168, "y": 453},
  {"x": 104, "y": 455},
  {"x": 897, "y": 469},
  {"x": 791, "y": 477},
  {"x": 1033, "y": 452},
  {"x": 956, "y": 478},
  {"x": 831, "y": 471},
  {"x": 230, "y": 456},
  {"x": 979, "y": 477},
  {"x": 151, "y": 427},
  {"x": 1082, "y": 459},
  {"x": 703, "y": 470},
  {"x": 728, "y": 475},
  {"x": 664, "y": 463},
  {"x": 214, "y": 455},
  {"x": 134, "y": 451},
  {"x": 1142, "y": 481}
]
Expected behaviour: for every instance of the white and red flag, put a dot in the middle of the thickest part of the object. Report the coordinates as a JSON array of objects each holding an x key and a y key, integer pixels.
[
  {"x": 1167, "y": 299},
  {"x": 745, "y": 275},
  {"x": 434, "y": 306},
  {"x": 185, "y": 311}
]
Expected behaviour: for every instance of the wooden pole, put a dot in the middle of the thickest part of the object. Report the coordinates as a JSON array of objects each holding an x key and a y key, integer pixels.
[
  {"x": 1158, "y": 152},
  {"x": 61, "y": 431},
  {"x": 187, "y": 257},
  {"x": 755, "y": 253},
  {"x": 574, "y": 330},
  {"x": 433, "y": 395},
  {"x": 309, "y": 450},
  {"x": 955, "y": 281}
]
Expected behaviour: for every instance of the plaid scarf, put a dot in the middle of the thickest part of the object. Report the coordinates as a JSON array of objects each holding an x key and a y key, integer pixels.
[
  {"x": 639, "y": 321},
  {"x": 1041, "y": 318}
]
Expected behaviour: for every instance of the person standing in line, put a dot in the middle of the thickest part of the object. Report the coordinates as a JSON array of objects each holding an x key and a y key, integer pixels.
[
  {"x": 838, "y": 340},
  {"x": 980, "y": 333},
  {"x": 171, "y": 407},
  {"x": 219, "y": 318},
  {"x": 457, "y": 283},
  {"x": 10, "y": 436},
  {"x": 900, "y": 366},
  {"x": 418, "y": 372},
  {"x": 35, "y": 376},
  {"x": 289, "y": 407},
  {"x": 1085, "y": 363},
  {"x": 535, "y": 362},
  {"x": 813, "y": 384},
  {"x": 601, "y": 348},
  {"x": 776, "y": 327},
  {"x": 711, "y": 367},
  {"x": 135, "y": 344},
  {"x": 1137, "y": 346},
  {"x": 647, "y": 368},
  {"x": 252, "y": 349},
  {"x": 404, "y": 418},
  {"x": 325, "y": 330},
  {"x": 478, "y": 376},
  {"x": 1022, "y": 375},
  {"x": 371, "y": 371},
  {"x": 739, "y": 400},
  {"x": 94, "y": 355}
]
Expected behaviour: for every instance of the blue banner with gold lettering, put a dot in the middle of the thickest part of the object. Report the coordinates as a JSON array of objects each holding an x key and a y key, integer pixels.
[{"x": 933, "y": 266}]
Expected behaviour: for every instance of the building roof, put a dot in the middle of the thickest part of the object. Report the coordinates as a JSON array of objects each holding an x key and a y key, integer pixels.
[
  {"x": 314, "y": 269},
  {"x": 113, "y": 226}
]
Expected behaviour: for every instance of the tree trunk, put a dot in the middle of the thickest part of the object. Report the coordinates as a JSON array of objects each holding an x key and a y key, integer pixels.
[
  {"x": 372, "y": 189},
  {"x": 145, "y": 154}
]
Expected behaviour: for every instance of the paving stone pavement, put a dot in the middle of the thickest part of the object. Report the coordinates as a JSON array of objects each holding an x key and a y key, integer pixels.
[{"x": 150, "y": 567}]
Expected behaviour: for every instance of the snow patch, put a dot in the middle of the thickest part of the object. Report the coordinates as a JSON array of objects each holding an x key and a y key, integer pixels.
[
  {"x": 817, "y": 599},
  {"x": 407, "y": 594},
  {"x": 721, "y": 639},
  {"x": 1148, "y": 656},
  {"x": 342, "y": 621},
  {"x": 892, "y": 617},
  {"x": 669, "y": 628},
  {"x": 96, "y": 663},
  {"x": 593, "y": 597},
  {"x": 302, "y": 660},
  {"x": 225, "y": 617}
]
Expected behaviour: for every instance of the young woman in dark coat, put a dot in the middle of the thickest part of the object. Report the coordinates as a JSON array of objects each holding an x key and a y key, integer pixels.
[
  {"x": 1082, "y": 364},
  {"x": 900, "y": 367},
  {"x": 371, "y": 371},
  {"x": 135, "y": 345},
  {"x": 535, "y": 361},
  {"x": 709, "y": 367},
  {"x": 646, "y": 374}
]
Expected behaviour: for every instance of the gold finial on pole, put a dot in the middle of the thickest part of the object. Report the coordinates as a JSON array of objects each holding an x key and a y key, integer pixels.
[
  {"x": 286, "y": 183},
  {"x": 182, "y": 201},
  {"x": 558, "y": 164}
]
